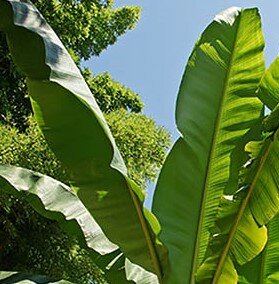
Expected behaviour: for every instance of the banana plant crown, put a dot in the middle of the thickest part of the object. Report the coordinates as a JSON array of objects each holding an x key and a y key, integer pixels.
[{"x": 216, "y": 200}]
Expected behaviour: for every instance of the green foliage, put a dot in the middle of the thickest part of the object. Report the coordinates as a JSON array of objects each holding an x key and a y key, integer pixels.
[
  {"x": 217, "y": 106},
  {"x": 50, "y": 250},
  {"x": 36, "y": 245},
  {"x": 271, "y": 123},
  {"x": 14, "y": 104},
  {"x": 86, "y": 28},
  {"x": 97, "y": 166},
  {"x": 111, "y": 95},
  {"x": 29, "y": 150},
  {"x": 236, "y": 204},
  {"x": 218, "y": 206},
  {"x": 141, "y": 142},
  {"x": 8, "y": 277}
]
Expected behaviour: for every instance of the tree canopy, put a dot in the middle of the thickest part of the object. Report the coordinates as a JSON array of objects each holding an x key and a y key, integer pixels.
[{"x": 85, "y": 27}]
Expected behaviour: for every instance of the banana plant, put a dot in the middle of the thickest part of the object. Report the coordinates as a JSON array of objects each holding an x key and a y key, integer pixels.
[
  {"x": 215, "y": 211},
  {"x": 7, "y": 277}
]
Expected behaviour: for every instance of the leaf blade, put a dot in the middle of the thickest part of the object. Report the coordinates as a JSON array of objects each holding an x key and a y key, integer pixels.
[
  {"x": 55, "y": 201},
  {"x": 268, "y": 91},
  {"x": 217, "y": 93},
  {"x": 7, "y": 277},
  {"x": 246, "y": 236},
  {"x": 264, "y": 268},
  {"x": 76, "y": 131}
]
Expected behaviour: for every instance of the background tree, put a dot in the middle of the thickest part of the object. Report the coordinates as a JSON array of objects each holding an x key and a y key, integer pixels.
[{"x": 86, "y": 28}]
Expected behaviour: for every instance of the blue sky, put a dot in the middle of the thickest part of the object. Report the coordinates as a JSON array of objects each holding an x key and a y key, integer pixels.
[{"x": 151, "y": 59}]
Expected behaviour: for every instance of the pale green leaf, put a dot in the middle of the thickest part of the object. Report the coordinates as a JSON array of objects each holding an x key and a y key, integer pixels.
[
  {"x": 55, "y": 201},
  {"x": 228, "y": 276},
  {"x": 271, "y": 253},
  {"x": 249, "y": 239},
  {"x": 265, "y": 268},
  {"x": 264, "y": 202},
  {"x": 241, "y": 242},
  {"x": 8, "y": 277},
  {"x": 138, "y": 274}
]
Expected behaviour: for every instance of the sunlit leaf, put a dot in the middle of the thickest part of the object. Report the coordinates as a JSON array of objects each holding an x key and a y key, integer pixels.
[{"x": 216, "y": 108}]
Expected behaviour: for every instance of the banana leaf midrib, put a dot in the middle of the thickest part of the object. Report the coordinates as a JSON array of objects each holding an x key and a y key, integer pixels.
[
  {"x": 241, "y": 211},
  {"x": 135, "y": 200},
  {"x": 141, "y": 218},
  {"x": 209, "y": 164},
  {"x": 152, "y": 251}
]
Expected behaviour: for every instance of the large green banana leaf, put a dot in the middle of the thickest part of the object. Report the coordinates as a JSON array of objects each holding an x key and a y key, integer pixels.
[
  {"x": 269, "y": 87},
  {"x": 240, "y": 234},
  {"x": 257, "y": 202},
  {"x": 56, "y": 201},
  {"x": 271, "y": 122},
  {"x": 76, "y": 131},
  {"x": 119, "y": 270},
  {"x": 8, "y": 277},
  {"x": 264, "y": 269},
  {"x": 216, "y": 107},
  {"x": 261, "y": 200}
]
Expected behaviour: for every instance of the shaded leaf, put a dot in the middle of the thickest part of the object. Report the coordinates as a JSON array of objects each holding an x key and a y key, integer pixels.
[
  {"x": 271, "y": 122},
  {"x": 16, "y": 277},
  {"x": 265, "y": 268},
  {"x": 269, "y": 87},
  {"x": 55, "y": 201},
  {"x": 75, "y": 129}
]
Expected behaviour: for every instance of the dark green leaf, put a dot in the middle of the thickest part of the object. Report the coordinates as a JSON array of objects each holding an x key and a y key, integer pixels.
[
  {"x": 75, "y": 129},
  {"x": 269, "y": 87}
]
